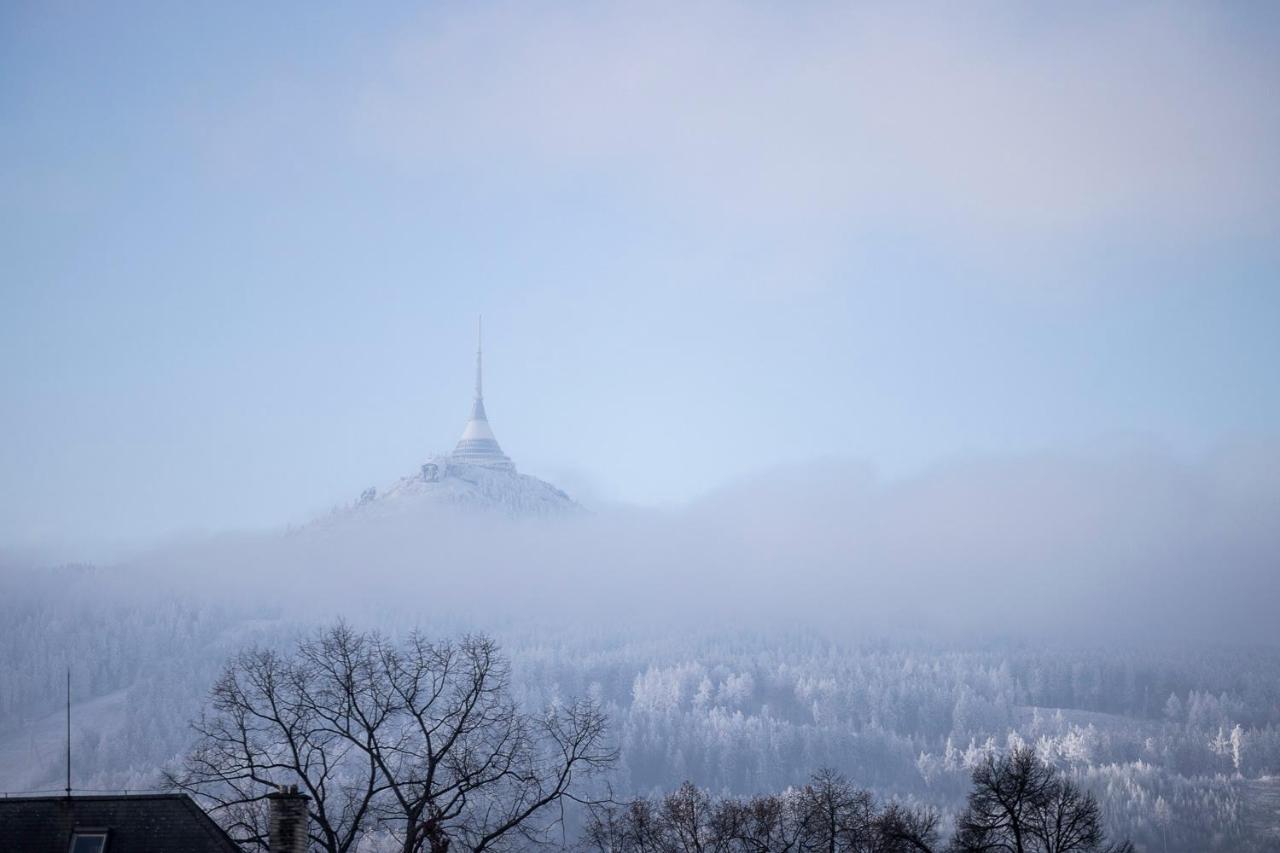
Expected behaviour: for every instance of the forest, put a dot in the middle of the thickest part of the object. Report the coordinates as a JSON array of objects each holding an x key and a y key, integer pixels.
[{"x": 1181, "y": 747}]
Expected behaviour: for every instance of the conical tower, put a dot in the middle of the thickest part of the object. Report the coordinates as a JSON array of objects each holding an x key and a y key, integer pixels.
[{"x": 478, "y": 446}]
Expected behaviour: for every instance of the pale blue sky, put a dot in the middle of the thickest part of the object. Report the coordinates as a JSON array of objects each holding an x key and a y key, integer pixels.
[{"x": 242, "y": 248}]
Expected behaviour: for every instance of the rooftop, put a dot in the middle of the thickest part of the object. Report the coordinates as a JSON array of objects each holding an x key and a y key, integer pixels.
[{"x": 132, "y": 823}]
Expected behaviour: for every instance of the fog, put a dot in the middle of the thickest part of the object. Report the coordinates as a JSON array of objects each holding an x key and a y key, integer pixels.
[
  {"x": 1111, "y": 604},
  {"x": 912, "y": 369},
  {"x": 1093, "y": 546}
]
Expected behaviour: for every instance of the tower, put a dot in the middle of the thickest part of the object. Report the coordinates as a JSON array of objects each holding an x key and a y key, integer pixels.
[{"x": 478, "y": 446}]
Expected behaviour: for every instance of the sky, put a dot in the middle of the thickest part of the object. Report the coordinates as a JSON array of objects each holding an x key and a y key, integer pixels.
[{"x": 243, "y": 248}]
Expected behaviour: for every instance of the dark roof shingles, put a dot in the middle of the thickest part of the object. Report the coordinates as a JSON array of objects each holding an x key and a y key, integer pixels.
[{"x": 139, "y": 823}]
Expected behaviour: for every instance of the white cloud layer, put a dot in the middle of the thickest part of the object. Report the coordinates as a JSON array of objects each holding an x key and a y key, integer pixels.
[{"x": 997, "y": 125}]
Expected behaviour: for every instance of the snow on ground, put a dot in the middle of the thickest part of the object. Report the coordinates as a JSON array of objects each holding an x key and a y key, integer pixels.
[
  {"x": 33, "y": 756},
  {"x": 443, "y": 482},
  {"x": 1261, "y": 799}
]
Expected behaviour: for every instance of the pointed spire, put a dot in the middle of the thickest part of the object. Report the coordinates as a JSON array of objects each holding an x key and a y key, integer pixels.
[
  {"x": 479, "y": 356},
  {"x": 478, "y": 445},
  {"x": 477, "y": 405}
]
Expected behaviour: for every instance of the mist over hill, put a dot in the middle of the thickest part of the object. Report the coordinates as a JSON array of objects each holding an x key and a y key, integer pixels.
[
  {"x": 883, "y": 389},
  {"x": 1114, "y": 607},
  {"x": 1100, "y": 544}
]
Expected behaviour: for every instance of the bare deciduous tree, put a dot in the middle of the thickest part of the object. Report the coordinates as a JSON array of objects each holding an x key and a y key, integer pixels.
[
  {"x": 1021, "y": 805},
  {"x": 836, "y": 815},
  {"x": 828, "y": 814},
  {"x": 762, "y": 824},
  {"x": 418, "y": 740},
  {"x": 899, "y": 829}
]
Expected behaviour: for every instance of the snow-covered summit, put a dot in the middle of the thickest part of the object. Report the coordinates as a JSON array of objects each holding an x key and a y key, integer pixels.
[
  {"x": 477, "y": 475},
  {"x": 446, "y": 482}
]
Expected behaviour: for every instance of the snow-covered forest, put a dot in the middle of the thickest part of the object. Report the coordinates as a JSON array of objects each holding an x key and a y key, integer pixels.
[
  {"x": 805, "y": 620},
  {"x": 1180, "y": 745}
]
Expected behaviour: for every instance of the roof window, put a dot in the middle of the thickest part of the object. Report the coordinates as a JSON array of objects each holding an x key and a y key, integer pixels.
[{"x": 88, "y": 841}]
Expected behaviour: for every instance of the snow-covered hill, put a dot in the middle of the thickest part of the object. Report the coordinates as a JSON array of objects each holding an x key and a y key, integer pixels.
[{"x": 445, "y": 482}]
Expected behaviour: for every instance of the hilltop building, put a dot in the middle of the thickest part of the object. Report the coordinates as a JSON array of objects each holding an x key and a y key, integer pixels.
[
  {"x": 478, "y": 445},
  {"x": 477, "y": 475}
]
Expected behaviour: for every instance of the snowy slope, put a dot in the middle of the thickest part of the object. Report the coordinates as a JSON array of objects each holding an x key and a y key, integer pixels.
[
  {"x": 443, "y": 482},
  {"x": 33, "y": 755}
]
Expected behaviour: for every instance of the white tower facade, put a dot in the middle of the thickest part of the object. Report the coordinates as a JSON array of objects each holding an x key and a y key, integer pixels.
[{"x": 478, "y": 446}]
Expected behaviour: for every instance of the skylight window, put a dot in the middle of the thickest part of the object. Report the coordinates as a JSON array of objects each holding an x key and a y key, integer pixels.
[{"x": 89, "y": 841}]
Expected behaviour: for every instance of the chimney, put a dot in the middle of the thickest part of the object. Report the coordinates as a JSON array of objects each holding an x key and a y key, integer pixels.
[{"x": 287, "y": 831}]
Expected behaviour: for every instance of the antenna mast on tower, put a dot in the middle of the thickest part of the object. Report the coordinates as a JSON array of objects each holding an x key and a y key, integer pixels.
[{"x": 479, "y": 350}]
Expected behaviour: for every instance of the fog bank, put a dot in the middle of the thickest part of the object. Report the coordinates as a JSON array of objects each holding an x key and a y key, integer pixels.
[{"x": 1096, "y": 546}]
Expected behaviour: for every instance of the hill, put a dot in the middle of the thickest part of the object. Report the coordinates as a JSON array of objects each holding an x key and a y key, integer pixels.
[{"x": 445, "y": 482}]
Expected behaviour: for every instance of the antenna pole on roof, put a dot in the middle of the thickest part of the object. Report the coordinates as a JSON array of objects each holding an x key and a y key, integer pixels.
[{"x": 68, "y": 731}]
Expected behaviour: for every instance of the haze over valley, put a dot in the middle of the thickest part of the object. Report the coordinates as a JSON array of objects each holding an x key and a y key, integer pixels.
[{"x": 873, "y": 407}]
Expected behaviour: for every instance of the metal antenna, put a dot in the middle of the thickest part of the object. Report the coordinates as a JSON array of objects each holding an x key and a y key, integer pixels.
[
  {"x": 68, "y": 731},
  {"x": 479, "y": 348}
]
